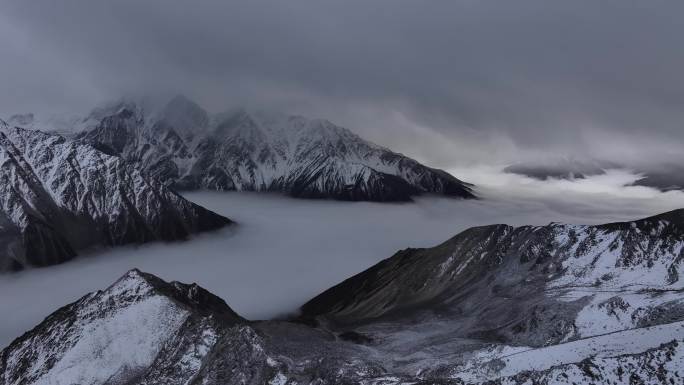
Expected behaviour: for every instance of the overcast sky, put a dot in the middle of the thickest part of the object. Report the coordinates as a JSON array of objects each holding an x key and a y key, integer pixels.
[{"x": 449, "y": 82}]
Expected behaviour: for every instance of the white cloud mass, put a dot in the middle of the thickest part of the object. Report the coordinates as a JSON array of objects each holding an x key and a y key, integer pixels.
[{"x": 285, "y": 250}]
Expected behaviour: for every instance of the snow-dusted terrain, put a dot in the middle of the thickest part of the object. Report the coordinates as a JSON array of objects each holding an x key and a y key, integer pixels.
[
  {"x": 185, "y": 147},
  {"x": 58, "y": 196},
  {"x": 532, "y": 297},
  {"x": 556, "y": 304}
]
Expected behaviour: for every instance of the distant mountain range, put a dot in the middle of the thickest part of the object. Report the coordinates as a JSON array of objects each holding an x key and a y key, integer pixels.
[
  {"x": 561, "y": 168},
  {"x": 108, "y": 179},
  {"x": 664, "y": 177},
  {"x": 186, "y": 148},
  {"x": 58, "y": 196},
  {"x": 556, "y": 304}
]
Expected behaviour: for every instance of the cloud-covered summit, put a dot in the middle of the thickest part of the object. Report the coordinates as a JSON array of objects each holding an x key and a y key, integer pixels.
[{"x": 497, "y": 80}]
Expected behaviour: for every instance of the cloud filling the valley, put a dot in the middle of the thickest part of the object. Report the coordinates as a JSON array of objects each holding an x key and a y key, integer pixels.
[
  {"x": 286, "y": 250},
  {"x": 448, "y": 82}
]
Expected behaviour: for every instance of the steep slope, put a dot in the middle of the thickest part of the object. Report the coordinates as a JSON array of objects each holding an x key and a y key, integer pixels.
[
  {"x": 308, "y": 158},
  {"x": 115, "y": 335},
  {"x": 59, "y": 196},
  {"x": 142, "y": 330}
]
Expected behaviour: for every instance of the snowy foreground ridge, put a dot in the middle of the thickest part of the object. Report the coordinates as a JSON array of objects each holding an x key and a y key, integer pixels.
[
  {"x": 187, "y": 148},
  {"x": 556, "y": 304},
  {"x": 58, "y": 196}
]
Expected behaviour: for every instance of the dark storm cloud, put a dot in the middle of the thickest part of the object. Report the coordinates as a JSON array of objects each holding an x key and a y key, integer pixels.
[{"x": 449, "y": 79}]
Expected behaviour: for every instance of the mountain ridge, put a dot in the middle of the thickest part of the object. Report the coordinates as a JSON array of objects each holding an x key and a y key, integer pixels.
[{"x": 185, "y": 147}]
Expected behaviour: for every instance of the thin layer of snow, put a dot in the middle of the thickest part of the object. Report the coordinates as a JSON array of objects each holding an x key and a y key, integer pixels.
[
  {"x": 127, "y": 340},
  {"x": 607, "y": 345}
]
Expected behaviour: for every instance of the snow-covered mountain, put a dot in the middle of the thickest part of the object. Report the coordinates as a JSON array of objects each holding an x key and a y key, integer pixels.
[
  {"x": 539, "y": 290},
  {"x": 114, "y": 335},
  {"x": 182, "y": 145},
  {"x": 556, "y": 304},
  {"x": 58, "y": 196},
  {"x": 142, "y": 330},
  {"x": 519, "y": 266}
]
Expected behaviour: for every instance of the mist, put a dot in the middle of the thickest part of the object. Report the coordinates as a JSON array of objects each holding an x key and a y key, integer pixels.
[{"x": 284, "y": 251}]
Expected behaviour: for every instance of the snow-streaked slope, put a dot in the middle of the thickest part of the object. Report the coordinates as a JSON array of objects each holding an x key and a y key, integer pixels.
[
  {"x": 310, "y": 158},
  {"x": 59, "y": 196},
  {"x": 115, "y": 335}
]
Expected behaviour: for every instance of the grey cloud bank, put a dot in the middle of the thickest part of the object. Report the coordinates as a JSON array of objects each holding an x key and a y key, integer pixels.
[{"x": 444, "y": 81}]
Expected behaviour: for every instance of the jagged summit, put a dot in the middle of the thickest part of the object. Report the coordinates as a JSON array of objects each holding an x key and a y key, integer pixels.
[
  {"x": 60, "y": 196},
  {"x": 192, "y": 296},
  {"x": 185, "y": 147}
]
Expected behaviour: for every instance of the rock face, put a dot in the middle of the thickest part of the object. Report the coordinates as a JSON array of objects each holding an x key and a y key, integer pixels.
[
  {"x": 556, "y": 304},
  {"x": 308, "y": 158},
  {"x": 58, "y": 196}
]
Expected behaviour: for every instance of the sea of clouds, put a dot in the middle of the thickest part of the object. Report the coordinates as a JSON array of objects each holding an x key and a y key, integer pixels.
[{"x": 284, "y": 251}]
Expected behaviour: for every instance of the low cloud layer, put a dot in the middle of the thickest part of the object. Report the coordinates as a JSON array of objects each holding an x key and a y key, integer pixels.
[
  {"x": 285, "y": 251},
  {"x": 449, "y": 82}
]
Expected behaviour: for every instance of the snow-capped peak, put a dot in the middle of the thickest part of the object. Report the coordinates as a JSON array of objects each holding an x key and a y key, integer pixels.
[{"x": 262, "y": 151}]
